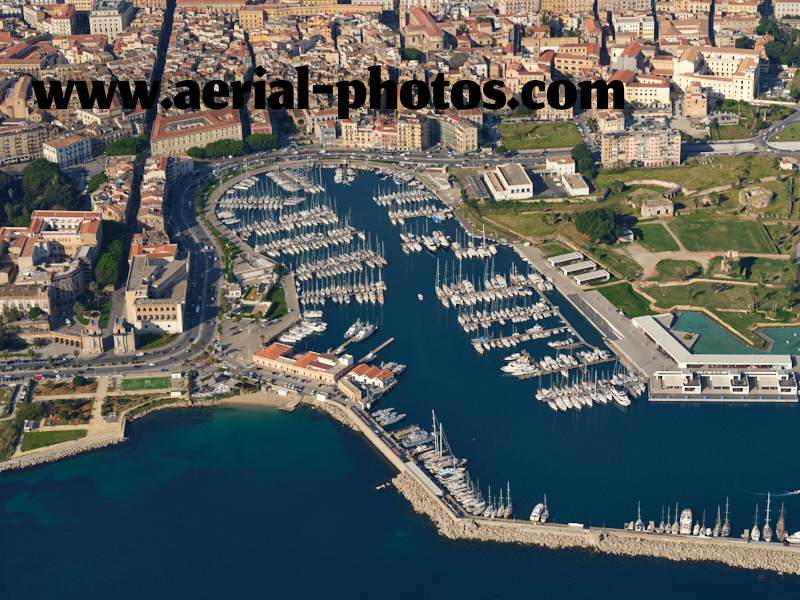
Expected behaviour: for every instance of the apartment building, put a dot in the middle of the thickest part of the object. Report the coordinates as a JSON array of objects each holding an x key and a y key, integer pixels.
[
  {"x": 110, "y": 18},
  {"x": 641, "y": 147},
  {"x": 21, "y": 141},
  {"x": 621, "y": 6},
  {"x": 637, "y": 26},
  {"x": 785, "y": 8},
  {"x": 567, "y": 7},
  {"x": 174, "y": 135},
  {"x": 458, "y": 133},
  {"x": 725, "y": 72},
  {"x": 403, "y": 133},
  {"x": 68, "y": 151}
]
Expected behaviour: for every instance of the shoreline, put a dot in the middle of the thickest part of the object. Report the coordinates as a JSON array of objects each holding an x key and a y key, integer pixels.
[{"x": 732, "y": 552}]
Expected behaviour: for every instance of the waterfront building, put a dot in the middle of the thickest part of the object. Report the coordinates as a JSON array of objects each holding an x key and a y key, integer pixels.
[
  {"x": 458, "y": 133},
  {"x": 724, "y": 385},
  {"x": 509, "y": 182},
  {"x": 322, "y": 367}
]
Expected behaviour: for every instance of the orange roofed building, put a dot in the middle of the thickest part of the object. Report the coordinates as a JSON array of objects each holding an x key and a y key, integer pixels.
[{"x": 322, "y": 367}]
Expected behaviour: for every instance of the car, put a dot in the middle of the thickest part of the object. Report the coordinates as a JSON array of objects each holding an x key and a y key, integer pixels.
[
  {"x": 139, "y": 354},
  {"x": 151, "y": 364}
]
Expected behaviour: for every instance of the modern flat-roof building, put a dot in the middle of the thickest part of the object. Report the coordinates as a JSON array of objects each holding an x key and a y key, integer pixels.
[
  {"x": 565, "y": 259},
  {"x": 576, "y": 268},
  {"x": 596, "y": 276},
  {"x": 509, "y": 182},
  {"x": 685, "y": 359}
]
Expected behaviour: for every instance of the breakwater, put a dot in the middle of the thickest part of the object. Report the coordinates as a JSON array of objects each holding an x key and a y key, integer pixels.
[
  {"x": 733, "y": 552},
  {"x": 69, "y": 449}
]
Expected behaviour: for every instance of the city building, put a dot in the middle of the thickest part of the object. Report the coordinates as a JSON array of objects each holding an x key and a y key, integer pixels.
[
  {"x": 110, "y": 18},
  {"x": 509, "y": 182},
  {"x": 155, "y": 292},
  {"x": 21, "y": 141},
  {"x": 68, "y": 151},
  {"x": 174, "y": 135},
  {"x": 321, "y": 367},
  {"x": 641, "y": 147}
]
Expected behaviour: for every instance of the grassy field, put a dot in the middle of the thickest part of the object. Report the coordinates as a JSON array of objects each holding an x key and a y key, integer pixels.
[
  {"x": 693, "y": 175},
  {"x": 655, "y": 237},
  {"x": 8, "y": 438},
  {"x": 622, "y": 265},
  {"x": 758, "y": 270},
  {"x": 38, "y": 439},
  {"x": 553, "y": 249},
  {"x": 278, "y": 307},
  {"x": 718, "y": 233},
  {"x": 153, "y": 341},
  {"x": 145, "y": 383},
  {"x": 785, "y": 235},
  {"x": 529, "y": 224},
  {"x": 678, "y": 270},
  {"x": 626, "y": 299},
  {"x": 530, "y": 136},
  {"x": 791, "y": 133}
]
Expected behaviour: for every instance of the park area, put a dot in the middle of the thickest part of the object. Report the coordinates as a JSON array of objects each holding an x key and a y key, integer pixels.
[
  {"x": 64, "y": 387},
  {"x": 751, "y": 119},
  {"x": 140, "y": 384},
  {"x": 625, "y": 298},
  {"x": 655, "y": 237},
  {"x": 790, "y": 133},
  {"x": 539, "y": 136},
  {"x": 39, "y": 439},
  {"x": 700, "y": 232}
]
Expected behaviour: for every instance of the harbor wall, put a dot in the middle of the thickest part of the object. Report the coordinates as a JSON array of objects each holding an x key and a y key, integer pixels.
[
  {"x": 733, "y": 552},
  {"x": 617, "y": 542}
]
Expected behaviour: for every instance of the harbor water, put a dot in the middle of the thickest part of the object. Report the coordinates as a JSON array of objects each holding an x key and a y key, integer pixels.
[{"x": 201, "y": 503}]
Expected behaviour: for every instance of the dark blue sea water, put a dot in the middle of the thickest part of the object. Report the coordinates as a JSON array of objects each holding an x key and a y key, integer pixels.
[{"x": 209, "y": 503}]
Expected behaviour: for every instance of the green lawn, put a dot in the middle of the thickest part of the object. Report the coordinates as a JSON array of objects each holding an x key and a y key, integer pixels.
[
  {"x": 145, "y": 383},
  {"x": 538, "y": 136},
  {"x": 719, "y": 171},
  {"x": 759, "y": 270},
  {"x": 719, "y": 233},
  {"x": 626, "y": 299},
  {"x": 38, "y": 439},
  {"x": 278, "y": 307},
  {"x": 151, "y": 341},
  {"x": 791, "y": 133},
  {"x": 655, "y": 237},
  {"x": 619, "y": 263},
  {"x": 553, "y": 249},
  {"x": 785, "y": 235},
  {"x": 8, "y": 437},
  {"x": 678, "y": 270}
]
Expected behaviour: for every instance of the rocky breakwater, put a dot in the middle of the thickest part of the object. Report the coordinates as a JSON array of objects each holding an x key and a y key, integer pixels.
[
  {"x": 67, "y": 449},
  {"x": 618, "y": 542}
]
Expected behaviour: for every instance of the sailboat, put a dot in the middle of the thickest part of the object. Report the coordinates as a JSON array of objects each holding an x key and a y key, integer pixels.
[
  {"x": 766, "y": 533},
  {"x": 726, "y": 525},
  {"x": 661, "y": 524},
  {"x": 717, "y": 524},
  {"x": 780, "y": 526},
  {"x": 755, "y": 533},
  {"x": 638, "y": 525}
]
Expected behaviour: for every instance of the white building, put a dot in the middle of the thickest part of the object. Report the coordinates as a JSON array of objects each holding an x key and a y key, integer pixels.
[
  {"x": 559, "y": 165},
  {"x": 110, "y": 18},
  {"x": 509, "y": 182},
  {"x": 575, "y": 185},
  {"x": 68, "y": 151}
]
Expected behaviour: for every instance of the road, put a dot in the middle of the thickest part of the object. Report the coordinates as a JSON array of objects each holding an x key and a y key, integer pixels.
[{"x": 204, "y": 277}]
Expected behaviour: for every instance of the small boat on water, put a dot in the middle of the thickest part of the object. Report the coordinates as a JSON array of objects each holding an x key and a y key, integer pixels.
[{"x": 420, "y": 297}]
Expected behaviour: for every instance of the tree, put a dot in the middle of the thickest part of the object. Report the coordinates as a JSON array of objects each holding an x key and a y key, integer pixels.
[
  {"x": 96, "y": 181},
  {"x": 35, "y": 312},
  {"x": 127, "y": 146},
  {"x": 745, "y": 42},
  {"x": 584, "y": 162},
  {"x": 262, "y": 143},
  {"x": 106, "y": 271},
  {"x": 412, "y": 54},
  {"x": 599, "y": 224},
  {"x": 79, "y": 381}
]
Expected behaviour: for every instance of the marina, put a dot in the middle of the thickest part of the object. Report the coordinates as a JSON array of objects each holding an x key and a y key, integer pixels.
[{"x": 426, "y": 336}]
